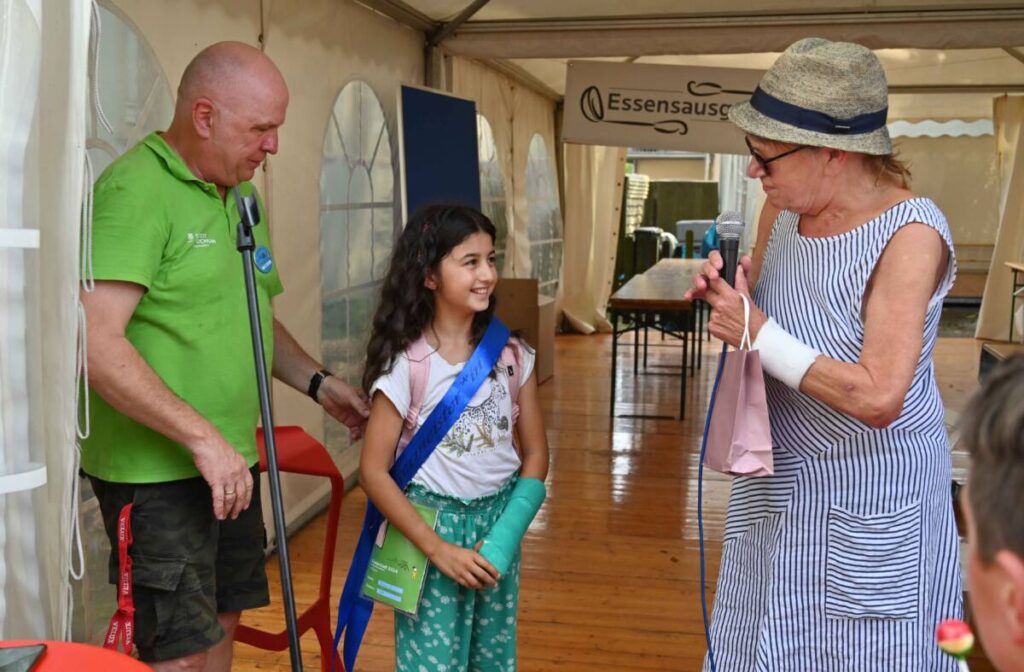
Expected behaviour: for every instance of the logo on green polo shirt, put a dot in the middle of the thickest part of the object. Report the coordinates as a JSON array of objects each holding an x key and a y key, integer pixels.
[{"x": 200, "y": 240}]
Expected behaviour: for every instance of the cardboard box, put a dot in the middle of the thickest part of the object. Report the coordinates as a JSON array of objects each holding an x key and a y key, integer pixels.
[
  {"x": 522, "y": 309},
  {"x": 545, "y": 344}
]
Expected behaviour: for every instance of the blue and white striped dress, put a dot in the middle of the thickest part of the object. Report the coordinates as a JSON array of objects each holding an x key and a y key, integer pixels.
[{"x": 847, "y": 558}]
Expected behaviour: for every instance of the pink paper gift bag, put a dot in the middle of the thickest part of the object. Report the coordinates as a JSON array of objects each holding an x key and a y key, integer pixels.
[{"x": 739, "y": 438}]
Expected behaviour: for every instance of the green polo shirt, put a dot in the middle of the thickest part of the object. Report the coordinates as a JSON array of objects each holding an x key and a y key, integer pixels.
[{"x": 159, "y": 226}]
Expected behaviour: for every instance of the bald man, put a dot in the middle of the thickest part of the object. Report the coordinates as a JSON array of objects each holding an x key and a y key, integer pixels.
[{"x": 173, "y": 401}]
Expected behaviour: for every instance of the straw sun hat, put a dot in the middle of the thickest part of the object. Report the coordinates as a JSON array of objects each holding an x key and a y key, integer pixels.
[{"x": 824, "y": 94}]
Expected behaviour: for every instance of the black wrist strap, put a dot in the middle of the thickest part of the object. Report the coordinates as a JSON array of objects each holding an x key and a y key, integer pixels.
[{"x": 316, "y": 381}]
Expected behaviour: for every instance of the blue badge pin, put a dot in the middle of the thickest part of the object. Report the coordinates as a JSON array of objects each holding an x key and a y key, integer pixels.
[{"x": 263, "y": 260}]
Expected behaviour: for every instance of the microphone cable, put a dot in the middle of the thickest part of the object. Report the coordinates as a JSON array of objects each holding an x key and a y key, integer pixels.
[{"x": 700, "y": 507}]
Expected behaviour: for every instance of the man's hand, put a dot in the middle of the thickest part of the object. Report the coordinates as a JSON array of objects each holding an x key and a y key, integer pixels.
[
  {"x": 346, "y": 404},
  {"x": 227, "y": 474}
]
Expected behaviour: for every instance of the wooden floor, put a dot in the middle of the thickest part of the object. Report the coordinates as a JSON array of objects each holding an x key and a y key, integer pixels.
[{"x": 610, "y": 575}]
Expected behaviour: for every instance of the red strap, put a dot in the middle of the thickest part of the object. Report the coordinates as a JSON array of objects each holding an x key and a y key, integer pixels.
[{"x": 122, "y": 624}]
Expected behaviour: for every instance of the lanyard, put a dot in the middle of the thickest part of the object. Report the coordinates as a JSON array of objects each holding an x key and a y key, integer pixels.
[
  {"x": 122, "y": 624},
  {"x": 354, "y": 609}
]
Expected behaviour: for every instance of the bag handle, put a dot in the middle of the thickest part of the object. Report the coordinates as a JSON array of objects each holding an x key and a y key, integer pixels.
[{"x": 746, "y": 323}]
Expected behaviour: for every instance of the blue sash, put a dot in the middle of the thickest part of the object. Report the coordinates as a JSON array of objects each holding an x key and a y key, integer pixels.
[{"x": 354, "y": 609}]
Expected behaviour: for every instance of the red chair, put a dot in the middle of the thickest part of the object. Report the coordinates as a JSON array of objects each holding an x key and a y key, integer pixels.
[
  {"x": 300, "y": 453},
  {"x": 63, "y": 656}
]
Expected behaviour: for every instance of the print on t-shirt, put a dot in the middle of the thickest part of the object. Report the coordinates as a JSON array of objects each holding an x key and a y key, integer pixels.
[{"x": 480, "y": 429}]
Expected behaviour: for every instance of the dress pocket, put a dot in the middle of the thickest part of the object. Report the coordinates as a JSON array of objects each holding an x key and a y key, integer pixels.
[{"x": 873, "y": 564}]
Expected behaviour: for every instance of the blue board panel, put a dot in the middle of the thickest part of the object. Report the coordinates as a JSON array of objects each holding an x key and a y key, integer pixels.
[{"x": 439, "y": 149}]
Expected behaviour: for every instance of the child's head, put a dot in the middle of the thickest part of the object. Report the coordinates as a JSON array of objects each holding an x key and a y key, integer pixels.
[
  {"x": 992, "y": 428},
  {"x": 408, "y": 299}
]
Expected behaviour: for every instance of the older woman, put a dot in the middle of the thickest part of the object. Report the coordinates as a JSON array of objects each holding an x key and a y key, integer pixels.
[{"x": 846, "y": 558}]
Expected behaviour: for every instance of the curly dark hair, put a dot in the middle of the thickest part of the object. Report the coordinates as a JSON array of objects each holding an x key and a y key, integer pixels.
[{"x": 406, "y": 305}]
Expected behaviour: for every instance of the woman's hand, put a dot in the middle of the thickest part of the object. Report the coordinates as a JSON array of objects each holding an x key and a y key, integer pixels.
[
  {"x": 463, "y": 566},
  {"x": 727, "y": 312},
  {"x": 709, "y": 271}
]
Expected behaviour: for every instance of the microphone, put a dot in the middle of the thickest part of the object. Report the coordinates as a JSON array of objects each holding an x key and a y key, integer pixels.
[{"x": 729, "y": 227}]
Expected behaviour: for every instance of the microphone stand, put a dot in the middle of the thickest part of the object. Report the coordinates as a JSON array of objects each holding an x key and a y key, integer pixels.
[{"x": 250, "y": 217}]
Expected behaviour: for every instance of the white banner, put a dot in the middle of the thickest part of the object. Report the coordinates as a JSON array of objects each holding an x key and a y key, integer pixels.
[{"x": 655, "y": 106}]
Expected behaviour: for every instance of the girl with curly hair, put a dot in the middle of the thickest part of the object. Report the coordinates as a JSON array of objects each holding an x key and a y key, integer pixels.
[{"x": 439, "y": 289}]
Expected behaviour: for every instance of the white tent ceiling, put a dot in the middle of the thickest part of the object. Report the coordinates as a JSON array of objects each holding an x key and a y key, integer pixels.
[{"x": 944, "y": 58}]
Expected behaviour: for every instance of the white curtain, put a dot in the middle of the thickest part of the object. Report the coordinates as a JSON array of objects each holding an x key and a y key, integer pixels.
[
  {"x": 994, "y": 318},
  {"x": 42, "y": 149},
  {"x": 594, "y": 178},
  {"x": 20, "y": 451}
]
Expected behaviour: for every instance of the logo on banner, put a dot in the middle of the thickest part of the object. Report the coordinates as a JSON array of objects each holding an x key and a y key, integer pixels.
[
  {"x": 594, "y": 103},
  {"x": 654, "y": 106}
]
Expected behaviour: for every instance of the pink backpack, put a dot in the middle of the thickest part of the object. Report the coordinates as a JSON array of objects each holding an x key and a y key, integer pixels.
[{"x": 419, "y": 375}]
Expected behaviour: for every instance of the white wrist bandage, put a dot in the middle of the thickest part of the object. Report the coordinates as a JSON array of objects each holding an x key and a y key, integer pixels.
[{"x": 782, "y": 355}]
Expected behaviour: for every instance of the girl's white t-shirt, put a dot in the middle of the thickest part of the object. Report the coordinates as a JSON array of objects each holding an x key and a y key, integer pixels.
[{"x": 476, "y": 457}]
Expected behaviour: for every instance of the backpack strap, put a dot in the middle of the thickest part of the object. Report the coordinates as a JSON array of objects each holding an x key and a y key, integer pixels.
[
  {"x": 512, "y": 361},
  {"x": 419, "y": 375}
]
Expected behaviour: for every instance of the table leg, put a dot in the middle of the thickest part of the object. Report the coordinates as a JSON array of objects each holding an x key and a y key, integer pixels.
[
  {"x": 700, "y": 332},
  {"x": 695, "y": 335},
  {"x": 615, "y": 356},
  {"x": 647, "y": 317},
  {"x": 682, "y": 376},
  {"x": 636, "y": 342},
  {"x": 1013, "y": 303}
]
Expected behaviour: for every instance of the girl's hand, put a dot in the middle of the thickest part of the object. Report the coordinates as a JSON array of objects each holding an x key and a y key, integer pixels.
[
  {"x": 464, "y": 566},
  {"x": 727, "y": 320},
  {"x": 710, "y": 271}
]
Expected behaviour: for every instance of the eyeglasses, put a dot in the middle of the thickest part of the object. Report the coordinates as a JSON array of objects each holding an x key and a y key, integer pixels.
[{"x": 763, "y": 162}]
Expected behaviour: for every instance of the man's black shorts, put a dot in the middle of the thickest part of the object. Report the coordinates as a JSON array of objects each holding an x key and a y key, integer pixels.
[{"x": 186, "y": 565}]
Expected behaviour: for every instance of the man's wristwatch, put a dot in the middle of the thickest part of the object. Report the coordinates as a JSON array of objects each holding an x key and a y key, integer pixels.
[{"x": 315, "y": 382}]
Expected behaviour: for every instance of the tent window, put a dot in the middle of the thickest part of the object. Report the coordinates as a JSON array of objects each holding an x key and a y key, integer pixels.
[
  {"x": 134, "y": 97},
  {"x": 492, "y": 186},
  {"x": 357, "y": 231},
  {"x": 545, "y": 223}
]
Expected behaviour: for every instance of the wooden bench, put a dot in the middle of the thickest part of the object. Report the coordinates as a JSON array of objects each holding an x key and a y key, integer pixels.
[{"x": 994, "y": 352}]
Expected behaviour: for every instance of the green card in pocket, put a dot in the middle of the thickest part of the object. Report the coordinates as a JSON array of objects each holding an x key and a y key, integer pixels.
[{"x": 397, "y": 569}]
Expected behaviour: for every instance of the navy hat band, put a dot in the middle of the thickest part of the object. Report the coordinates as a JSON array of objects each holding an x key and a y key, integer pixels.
[{"x": 811, "y": 120}]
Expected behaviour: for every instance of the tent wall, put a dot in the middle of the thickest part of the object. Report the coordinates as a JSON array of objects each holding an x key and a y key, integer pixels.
[
  {"x": 321, "y": 45},
  {"x": 43, "y": 145},
  {"x": 961, "y": 175},
  {"x": 515, "y": 115},
  {"x": 672, "y": 169},
  {"x": 994, "y": 319}
]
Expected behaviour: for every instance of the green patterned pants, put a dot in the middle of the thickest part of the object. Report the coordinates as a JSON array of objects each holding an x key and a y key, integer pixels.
[{"x": 460, "y": 629}]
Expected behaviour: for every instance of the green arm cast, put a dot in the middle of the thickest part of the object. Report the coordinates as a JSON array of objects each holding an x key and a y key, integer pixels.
[{"x": 502, "y": 542}]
